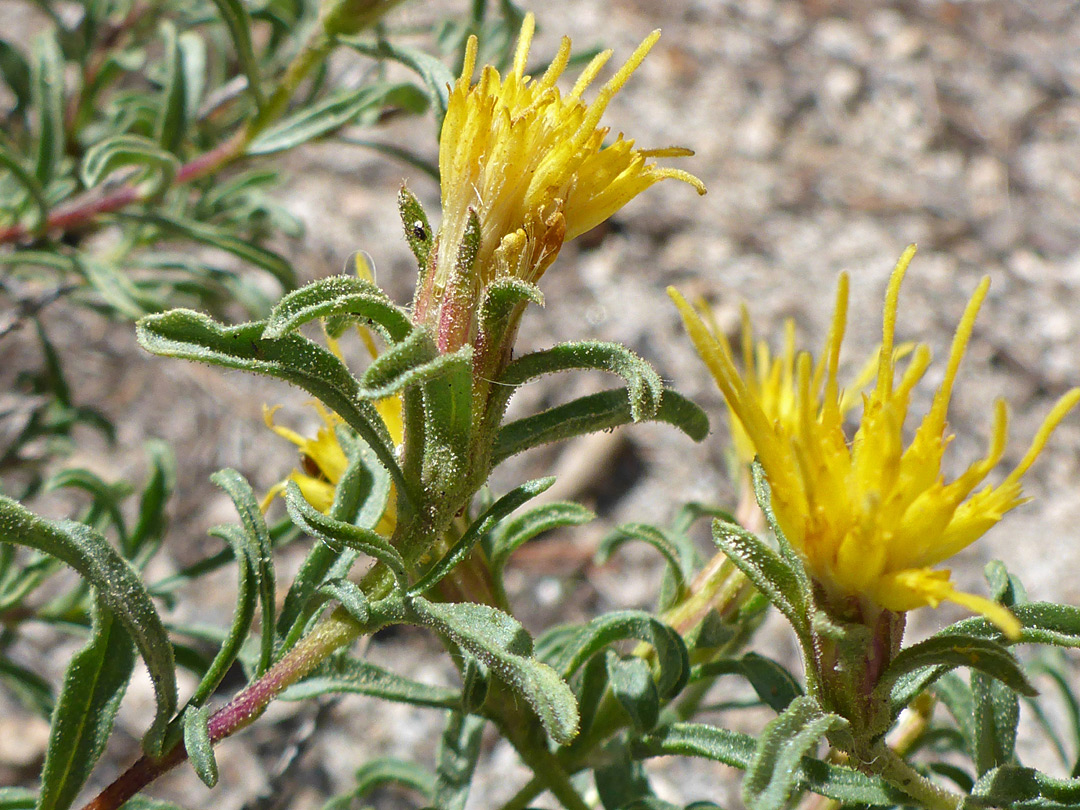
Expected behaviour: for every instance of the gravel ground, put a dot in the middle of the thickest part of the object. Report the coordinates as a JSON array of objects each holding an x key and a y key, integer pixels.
[{"x": 830, "y": 135}]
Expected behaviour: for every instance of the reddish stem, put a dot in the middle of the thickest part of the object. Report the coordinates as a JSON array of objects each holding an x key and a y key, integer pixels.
[
  {"x": 80, "y": 213},
  {"x": 332, "y": 634}
]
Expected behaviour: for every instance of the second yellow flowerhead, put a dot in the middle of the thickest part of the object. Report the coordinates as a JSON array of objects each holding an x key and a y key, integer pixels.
[{"x": 872, "y": 516}]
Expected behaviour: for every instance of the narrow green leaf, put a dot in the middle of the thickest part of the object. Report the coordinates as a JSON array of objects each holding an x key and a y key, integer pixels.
[
  {"x": 115, "y": 287},
  {"x": 621, "y": 781},
  {"x": 341, "y": 534},
  {"x": 198, "y": 746},
  {"x": 764, "y": 500},
  {"x": 948, "y": 651},
  {"x": 94, "y": 683},
  {"x": 17, "y": 75},
  {"x": 236, "y": 18},
  {"x": 843, "y": 784},
  {"x": 332, "y": 113},
  {"x": 360, "y": 498},
  {"x": 671, "y": 654},
  {"x": 107, "y": 497},
  {"x": 350, "y": 676},
  {"x": 1016, "y": 787},
  {"x": 498, "y": 641},
  {"x": 956, "y": 696},
  {"x": 632, "y": 683},
  {"x": 119, "y": 587},
  {"x": 437, "y": 77},
  {"x": 1043, "y": 623},
  {"x": 676, "y": 556},
  {"x": 173, "y": 116},
  {"x": 499, "y": 510},
  {"x": 591, "y": 414},
  {"x": 508, "y": 536},
  {"x": 13, "y": 798},
  {"x": 412, "y": 361},
  {"x": 48, "y": 104},
  {"x": 152, "y": 520},
  {"x": 248, "y": 591},
  {"x": 773, "y": 776},
  {"x": 157, "y": 165},
  {"x": 351, "y": 597},
  {"x": 31, "y": 689},
  {"x": 335, "y": 297},
  {"x": 459, "y": 750},
  {"x": 997, "y": 713},
  {"x": 448, "y": 395},
  {"x": 382, "y": 771},
  {"x": 773, "y": 684},
  {"x": 222, "y": 238},
  {"x": 12, "y": 162},
  {"x": 770, "y": 573},
  {"x": 697, "y": 740},
  {"x": 643, "y": 384},
  {"x": 193, "y": 63},
  {"x": 261, "y": 554},
  {"x": 193, "y": 336}
]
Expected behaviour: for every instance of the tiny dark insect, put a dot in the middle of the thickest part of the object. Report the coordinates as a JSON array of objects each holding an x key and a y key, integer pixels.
[
  {"x": 311, "y": 467},
  {"x": 418, "y": 230}
]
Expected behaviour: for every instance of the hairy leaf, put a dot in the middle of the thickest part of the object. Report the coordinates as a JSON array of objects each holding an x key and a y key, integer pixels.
[
  {"x": 770, "y": 573},
  {"x": 118, "y": 586},
  {"x": 94, "y": 683},
  {"x": 591, "y": 414},
  {"x": 672, "y": 657},
  {"x": 340, "y": 534},
  {"x": 773, "y": 684},
  {"x": 459, "y": 749},
  {"x": 332, "y": 113},
  {"x": 334, "y": 297},
  {"x": 643, "y": 384},
  {"x": 491, "y": 516},
  {"x": 498, "y": 641},
  {"x": 508, "y": 536},
  {"x": 260, "y": 555},
  {"x": 130, "y": 151},
  {"x": 773, "y": 774},
  {"x": 350, "y": 676},
  {"x": 197, "y": 743}
]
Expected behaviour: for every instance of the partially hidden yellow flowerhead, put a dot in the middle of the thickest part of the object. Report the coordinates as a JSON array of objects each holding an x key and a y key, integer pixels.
[
  {"x": 871, "y": 516},
  {"x": 322, "y": 459},
  {"x": 531, "y": 162}
]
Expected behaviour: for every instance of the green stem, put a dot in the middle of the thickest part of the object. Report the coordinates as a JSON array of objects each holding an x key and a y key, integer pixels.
[
  {"x": 895, "y": 770},
  {"x": 521, "y": 799}
]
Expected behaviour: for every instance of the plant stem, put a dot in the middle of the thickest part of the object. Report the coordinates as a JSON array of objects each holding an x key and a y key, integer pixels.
[
  {"x": 521, "y": 799},
  {"x": 81, "y": 213},
  {"x": 892, "y": 768},
  {"x": 333, "y": 633}
]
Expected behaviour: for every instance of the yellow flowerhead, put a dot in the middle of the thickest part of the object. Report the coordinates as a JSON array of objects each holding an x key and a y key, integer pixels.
[
  {"x": 872, "y": 517},
  {"x": 323, "y": 461},
  {"x": 532, "y": 163}
]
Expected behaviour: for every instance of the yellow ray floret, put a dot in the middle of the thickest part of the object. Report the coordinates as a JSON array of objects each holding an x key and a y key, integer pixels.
[
  {"x": 871, "y": 516},
  {"x": 532, "y": 162}
]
